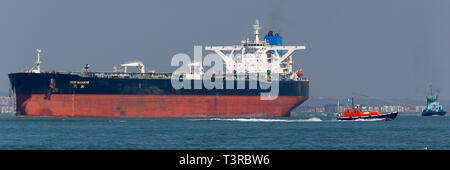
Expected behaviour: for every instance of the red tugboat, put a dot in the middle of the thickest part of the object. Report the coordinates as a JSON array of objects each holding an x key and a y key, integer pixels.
[{"x": 355, "y": 113}]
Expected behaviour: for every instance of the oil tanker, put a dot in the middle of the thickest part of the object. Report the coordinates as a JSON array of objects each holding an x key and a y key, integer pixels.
[{"x": 149, "y": 94}]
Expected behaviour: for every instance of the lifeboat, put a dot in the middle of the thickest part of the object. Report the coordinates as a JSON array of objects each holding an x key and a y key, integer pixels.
[{"x": 299, "y": 73}]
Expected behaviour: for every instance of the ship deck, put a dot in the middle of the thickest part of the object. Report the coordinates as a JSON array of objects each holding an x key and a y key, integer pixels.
[{"x": 121, "y": 75}]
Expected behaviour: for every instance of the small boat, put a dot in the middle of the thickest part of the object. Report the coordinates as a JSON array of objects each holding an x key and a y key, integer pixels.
[
  {"x": 355, "y": 113},
  {"x": 433, "y": 106}
]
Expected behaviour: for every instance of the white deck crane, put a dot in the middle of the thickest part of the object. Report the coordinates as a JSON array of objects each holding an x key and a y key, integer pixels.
[{"x": 137, "y": 64}]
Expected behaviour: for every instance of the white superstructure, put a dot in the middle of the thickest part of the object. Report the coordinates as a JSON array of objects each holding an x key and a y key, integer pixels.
[{"x": 257, "y": 56}]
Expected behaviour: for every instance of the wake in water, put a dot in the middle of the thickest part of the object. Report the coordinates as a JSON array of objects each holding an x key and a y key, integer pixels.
[{"x": 313, "y": 119}]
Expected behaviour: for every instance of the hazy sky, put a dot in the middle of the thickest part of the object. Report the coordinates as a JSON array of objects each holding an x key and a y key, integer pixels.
[{"x": 381, "y": 48}]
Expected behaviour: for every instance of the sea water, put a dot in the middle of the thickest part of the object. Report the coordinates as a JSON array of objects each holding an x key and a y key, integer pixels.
[{"x": 314, "y": 133}]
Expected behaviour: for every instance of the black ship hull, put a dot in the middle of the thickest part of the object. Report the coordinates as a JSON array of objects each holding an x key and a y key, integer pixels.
[{"x": 71, "y": 95}]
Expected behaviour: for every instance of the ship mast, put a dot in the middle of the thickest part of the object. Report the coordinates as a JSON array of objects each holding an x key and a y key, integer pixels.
[
  {"x": 256, "y": 30},
  {"x": 37, "y": 66}
]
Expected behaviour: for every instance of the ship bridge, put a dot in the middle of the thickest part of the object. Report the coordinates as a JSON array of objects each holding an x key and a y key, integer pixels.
[{"x": 263, "y": 57}]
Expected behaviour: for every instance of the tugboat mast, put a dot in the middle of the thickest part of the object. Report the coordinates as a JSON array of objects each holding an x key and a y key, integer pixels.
[{"x": 431, "y": 90}]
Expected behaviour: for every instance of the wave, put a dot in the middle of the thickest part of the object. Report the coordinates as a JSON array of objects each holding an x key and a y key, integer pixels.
[{"x": 313, "y": 119}]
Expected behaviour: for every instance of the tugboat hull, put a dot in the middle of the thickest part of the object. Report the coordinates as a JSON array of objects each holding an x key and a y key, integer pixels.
[
  {"x": 433, "y": 113},
  {"x": 388, "y": 116}
]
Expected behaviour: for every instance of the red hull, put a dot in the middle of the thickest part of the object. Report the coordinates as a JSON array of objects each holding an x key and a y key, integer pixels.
[{"x": 155, "y": 106}]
